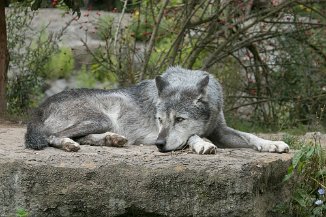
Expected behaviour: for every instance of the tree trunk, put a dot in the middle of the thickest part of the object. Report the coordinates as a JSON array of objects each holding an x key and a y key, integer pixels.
[{"x": 4, "y": 59}]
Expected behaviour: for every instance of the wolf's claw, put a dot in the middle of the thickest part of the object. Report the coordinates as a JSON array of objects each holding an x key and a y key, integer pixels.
[
  {"x": 205, "y": 148},
  {"x": 115, "y": 140},
  {"x": 274, "y": 146},
  {"x": 69, "y": 145}
]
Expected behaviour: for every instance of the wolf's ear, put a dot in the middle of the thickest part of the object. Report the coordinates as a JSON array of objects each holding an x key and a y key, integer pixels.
[
  {"x": 161, "y": 83},
  {"x": 202, "y": 90},
  {"x": 202, "y": 86}
]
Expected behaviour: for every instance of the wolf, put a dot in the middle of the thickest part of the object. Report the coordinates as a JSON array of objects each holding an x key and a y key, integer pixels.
[{"x": 177, "y": 109}]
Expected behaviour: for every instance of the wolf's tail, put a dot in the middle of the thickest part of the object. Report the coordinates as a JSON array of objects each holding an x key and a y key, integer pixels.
[{"x": 35, "y": 137}]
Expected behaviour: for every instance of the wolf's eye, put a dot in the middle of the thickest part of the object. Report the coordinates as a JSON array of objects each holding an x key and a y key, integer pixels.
[
  {"x": 179, "y": 119},
  {"x": 159, "y": 119}
]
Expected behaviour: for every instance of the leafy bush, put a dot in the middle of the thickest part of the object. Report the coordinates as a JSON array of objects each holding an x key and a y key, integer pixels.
[
  {"x": 30, "y": 54},
  {"x": 85, "y": 79},
  {"x": 308, "y": 175},
  {"x": 141, "y": 26},
  {"x": 23, "y": 88},
  {"x": 60, "y": 65},
  {"x": 104, "y": 26},
  {"x": 270, "y": 61}
]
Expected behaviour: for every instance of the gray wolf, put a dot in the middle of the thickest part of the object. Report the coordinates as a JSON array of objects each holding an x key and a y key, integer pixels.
[{"x": 177, "y": 109}]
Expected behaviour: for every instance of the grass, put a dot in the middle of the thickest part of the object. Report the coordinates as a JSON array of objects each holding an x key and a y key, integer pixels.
[
  {"x": 21, "y": 213},
  {"x": 307, "y": 175}
]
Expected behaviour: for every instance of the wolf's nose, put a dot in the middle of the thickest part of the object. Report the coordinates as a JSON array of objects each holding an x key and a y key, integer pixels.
[{"x": 160, "y": 143}]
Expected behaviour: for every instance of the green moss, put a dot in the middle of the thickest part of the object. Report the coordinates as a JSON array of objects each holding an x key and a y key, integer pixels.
[{"x": 21, "y": 213}]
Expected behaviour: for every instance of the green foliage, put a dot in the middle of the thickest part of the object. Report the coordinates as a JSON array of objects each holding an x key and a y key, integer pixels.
[
  {"x": 246, "y": 125},
  {"x": 299, "y": 129},
  {"x": 275, "y": 70},
  {"x": 60, "y": 65},
  {"x": 29, "y": 55},
  {"x": 308, "y": 175},
  {"x": 142, "y": 24},
  {"x": 23, "y": 92},
  {"x": 298, "y": 84},
  {"x": 21, "y": 213},
  {"x": 85, "y": 79},
  {"x": 293, "y": 141},
  {"x": 273, "y": 66},
  {"x": 105, "y": 28},
  {"x": 74, "y": 5},
  {"x": 102, "y": 73}
]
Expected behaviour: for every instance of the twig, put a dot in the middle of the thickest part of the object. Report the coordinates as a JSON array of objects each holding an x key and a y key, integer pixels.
[
  {"x": 275, "y": 99},
  {"x": 63, "y": 29},
  {"x": 212, "y": 58},
  {"x": 248, "y": 104},
  {"x": 318, "y": 182},
  {"x": 92, "y": 54},
  {"x": 152, "y": 40},
  {"x": 119, "y": 25},
  {"x": 176, "y": 44}
]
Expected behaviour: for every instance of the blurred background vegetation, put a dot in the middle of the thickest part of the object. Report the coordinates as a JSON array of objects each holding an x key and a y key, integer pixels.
[{"x": 270, "y": 56}]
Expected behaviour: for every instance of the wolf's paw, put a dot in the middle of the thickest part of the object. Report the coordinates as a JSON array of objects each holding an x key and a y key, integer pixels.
[
  {"x": 70, "y": 145},
  {"x": 274, "y": 146},
  {"x": 204, "y": 147},
  {"x": 115, "y": 140}
]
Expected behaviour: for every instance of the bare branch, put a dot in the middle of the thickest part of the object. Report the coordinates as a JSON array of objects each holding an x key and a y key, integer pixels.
[
  {"x": 152, "y": 40},
  {"x": 211, "y": 59},
  {"x": 119, "y": 24}
]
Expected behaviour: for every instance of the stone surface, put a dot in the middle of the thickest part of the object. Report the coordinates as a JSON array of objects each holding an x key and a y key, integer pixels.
[{"x": 137, "y": 181}]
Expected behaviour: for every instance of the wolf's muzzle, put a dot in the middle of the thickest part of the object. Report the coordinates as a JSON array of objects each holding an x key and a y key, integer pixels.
[{"x": 160, "y": 143}]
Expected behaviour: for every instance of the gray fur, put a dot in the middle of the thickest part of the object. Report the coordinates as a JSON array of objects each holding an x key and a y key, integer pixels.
[{"x": 174, "y": 110}]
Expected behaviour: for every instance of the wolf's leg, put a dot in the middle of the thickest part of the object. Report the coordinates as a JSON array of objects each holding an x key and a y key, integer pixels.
[
  {"x": 201, "y": 146},
  {"x": 63, "y": 143},
  {"x": 227, "y": 137},
  {"x": 63, "y": 139},
  {"x": 103, "y": 139},
  {"x": 84, "y": 128}
]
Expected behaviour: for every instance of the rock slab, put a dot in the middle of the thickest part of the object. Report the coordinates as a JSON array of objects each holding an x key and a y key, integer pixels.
[{"x": 137, "y": 181}]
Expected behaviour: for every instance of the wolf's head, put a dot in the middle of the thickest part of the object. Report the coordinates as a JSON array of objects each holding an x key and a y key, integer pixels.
[{"x": 181, "y": 111}]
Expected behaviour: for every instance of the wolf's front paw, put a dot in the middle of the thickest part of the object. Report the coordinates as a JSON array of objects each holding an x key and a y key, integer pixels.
[
  {"x": 115, "y": 140},
  {"x": 274, "y": 146},
  {"x": 204, "y": 147},
  {"x": 70, "y": 145}
]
